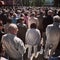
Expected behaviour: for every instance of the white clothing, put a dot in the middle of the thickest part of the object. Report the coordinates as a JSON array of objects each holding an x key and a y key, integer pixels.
[
  {"x": 32, "y": 38},
  {"x": 33, "y": 20},
  {"x": 13, "y": 45},
  {"x": 53, "y": 36}
]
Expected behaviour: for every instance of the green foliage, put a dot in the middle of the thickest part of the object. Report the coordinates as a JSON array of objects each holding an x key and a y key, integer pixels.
[
  {"x": 30, "y": 2},
  {"x": 38, "y": 2}
]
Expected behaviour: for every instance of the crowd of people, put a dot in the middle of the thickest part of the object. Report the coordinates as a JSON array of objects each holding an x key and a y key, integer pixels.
[{"x": 25, "y": 31}]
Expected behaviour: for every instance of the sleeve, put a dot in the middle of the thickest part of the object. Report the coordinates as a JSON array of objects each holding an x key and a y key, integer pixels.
[
  {"x": 26, "y": 37},
  {"x": 39, "y": 37},
  {"x": 21, "y": 47},
  {"x": 2, "y": 40}
]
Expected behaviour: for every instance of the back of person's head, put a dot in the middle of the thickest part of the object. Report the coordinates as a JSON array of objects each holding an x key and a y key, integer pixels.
[
  {"x": 13, "y": 28},
  {"x": 50, "y": 12},
  {"x": 25, "y": 14},
  {"x": 56, "y": 19},
  {"x": 33, "y": 25},
  {"x": 20, "y": 20},
  {"x": 32, "y": 14}
]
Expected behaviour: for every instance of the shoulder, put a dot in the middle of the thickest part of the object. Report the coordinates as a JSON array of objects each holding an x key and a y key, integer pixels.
[
  {"x": 4, "y": 35},
  {"x": 18, "y": 40},
  {"x": 37, "y": 30},
  {"x": 24, "y": 25},
  {"x": 50, "y": 25},
  {"x": 28, "y": 30},
  {"x": 35, "y": 18}
]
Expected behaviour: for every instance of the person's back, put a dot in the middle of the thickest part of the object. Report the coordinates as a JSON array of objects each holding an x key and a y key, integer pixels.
[
  {"x": 22, "y": 28},
  {"x": 33, "y": 38},
  {"x": 52, "y": 34},
  {"x": 14, "y": 46}
]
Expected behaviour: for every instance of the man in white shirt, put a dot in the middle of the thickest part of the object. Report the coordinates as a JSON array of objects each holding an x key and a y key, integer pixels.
[{"x": 13, "y": 45}]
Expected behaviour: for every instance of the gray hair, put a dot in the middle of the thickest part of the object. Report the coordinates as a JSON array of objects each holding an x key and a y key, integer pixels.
[
  {"x": 12, "y": 27},
  {"x": 56, "y": 18}
]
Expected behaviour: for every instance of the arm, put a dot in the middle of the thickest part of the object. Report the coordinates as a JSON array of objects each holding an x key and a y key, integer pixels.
[{"x": 21, "y": 47}]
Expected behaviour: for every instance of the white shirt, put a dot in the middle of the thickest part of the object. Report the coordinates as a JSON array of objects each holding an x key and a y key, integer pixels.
[
  {"x": 2, "y": 58},
  {"x": 33, "y": 20},
  {"x": 33, "y": 36},
  {"x": 13, "y": 45},
  {"x": 53, "y": 36}
]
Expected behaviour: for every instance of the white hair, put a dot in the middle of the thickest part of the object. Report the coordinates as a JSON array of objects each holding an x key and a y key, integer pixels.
[
  {"x": 56, "y": 18},
  {"x": 12, "y": 27}
]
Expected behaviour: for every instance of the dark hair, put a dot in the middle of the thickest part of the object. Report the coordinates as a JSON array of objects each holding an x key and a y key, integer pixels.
[
  {"x": 33, "y": 25},
  {"x": 32, "y": 14},
  {"x": 20, "y": 20},
  {"x": 25, "y": 14},
  {"x": 59, "y": 12},
  {"x": 9, "y": 20},
  {"x": 56, "y": 18}
]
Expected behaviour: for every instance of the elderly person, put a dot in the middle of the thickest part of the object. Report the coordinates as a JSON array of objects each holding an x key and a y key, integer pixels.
[
  {"x": 53, "y": 35},
  {"x": 33, "y": 37},
  {"x": 14, "y": 47}
]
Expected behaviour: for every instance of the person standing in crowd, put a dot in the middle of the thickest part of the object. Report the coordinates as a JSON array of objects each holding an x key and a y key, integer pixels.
[
  {"x": 33, "y": 19},
  {"x": 53, "y": 37},
  {"x": 26, "y": 18},
  {"x": 22, "y": 28},
  {"x": 32, "y": 38},
  {"x": 9, "y": 21},
  {"x": 2, "y": 52},
  {"x": 47, "y": 19},
  {"x": 3, "y": 16},
  {"x": 14, "y": 18},
  {"x": 14, "y": 47}
]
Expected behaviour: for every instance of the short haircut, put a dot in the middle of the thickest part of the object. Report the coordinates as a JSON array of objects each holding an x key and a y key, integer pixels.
[
  {"x": 12, "y": 27},
  {"x": 56, "y": 18},
  {"x": 33, "y": 25}
]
